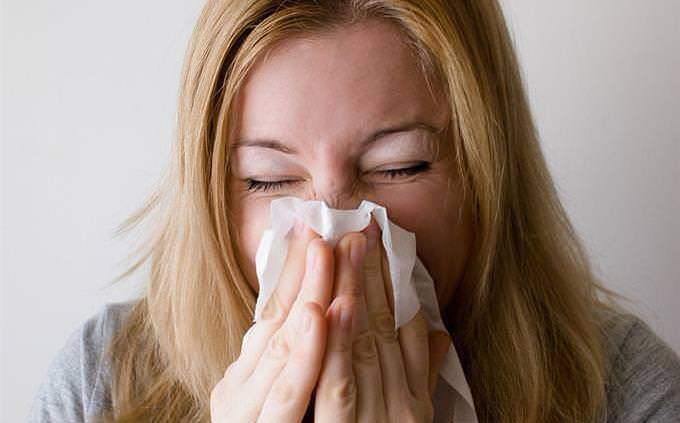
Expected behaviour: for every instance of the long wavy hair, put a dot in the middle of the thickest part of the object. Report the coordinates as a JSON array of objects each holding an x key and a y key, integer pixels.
[{"x": 525, "y": 316}]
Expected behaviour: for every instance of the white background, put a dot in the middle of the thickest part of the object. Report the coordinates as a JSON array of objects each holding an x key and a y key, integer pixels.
[{"x": 88, "y": 102}]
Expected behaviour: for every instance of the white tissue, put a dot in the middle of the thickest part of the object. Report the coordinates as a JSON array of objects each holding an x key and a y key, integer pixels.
[{"x": 412, "y": 285}]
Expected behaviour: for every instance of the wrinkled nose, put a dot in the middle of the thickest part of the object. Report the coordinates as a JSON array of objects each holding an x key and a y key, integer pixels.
[{"x": 340, "y": 190}]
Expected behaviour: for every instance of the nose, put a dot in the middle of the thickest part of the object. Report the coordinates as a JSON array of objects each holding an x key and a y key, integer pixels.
[{"x": 338, "y": 189}]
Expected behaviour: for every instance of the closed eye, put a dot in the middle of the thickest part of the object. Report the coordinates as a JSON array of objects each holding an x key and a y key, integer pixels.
[
  {"x": 265, "y": 186},
  {"x": 254, "y": 185},
  {"x": 406, "y": 171}
]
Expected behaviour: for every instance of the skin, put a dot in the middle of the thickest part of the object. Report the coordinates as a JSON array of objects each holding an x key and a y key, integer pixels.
[{"x": 306, "y": 124}]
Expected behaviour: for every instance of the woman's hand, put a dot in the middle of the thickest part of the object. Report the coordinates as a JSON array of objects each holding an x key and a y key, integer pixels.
[
  {"x": 278, "y": 368},
  {"x": 370, "y": 372}
]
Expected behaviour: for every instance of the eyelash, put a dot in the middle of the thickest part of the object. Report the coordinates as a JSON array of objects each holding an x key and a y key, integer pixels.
[{"x": 266, "y": 186}]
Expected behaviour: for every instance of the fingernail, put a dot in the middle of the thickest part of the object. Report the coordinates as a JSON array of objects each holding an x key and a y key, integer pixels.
[
  {"x": 371, "y": 236},
  {"x": 305, "y": 323},
  {"x": 357, "y": 250}
]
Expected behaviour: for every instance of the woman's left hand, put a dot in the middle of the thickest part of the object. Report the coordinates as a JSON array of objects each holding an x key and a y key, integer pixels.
[{"x": 372, "y": 373}]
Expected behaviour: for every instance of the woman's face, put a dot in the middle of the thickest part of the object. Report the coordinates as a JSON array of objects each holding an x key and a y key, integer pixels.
[{"x": 341, "y": 117}]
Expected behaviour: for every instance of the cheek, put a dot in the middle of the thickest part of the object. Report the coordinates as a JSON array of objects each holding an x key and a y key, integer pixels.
[
  {"x": 252, "y": 218},
  {"x": 443, "y": 228}
]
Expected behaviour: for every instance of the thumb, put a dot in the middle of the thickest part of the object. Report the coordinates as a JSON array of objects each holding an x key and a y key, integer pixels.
[{"x": 439, "y": 343}]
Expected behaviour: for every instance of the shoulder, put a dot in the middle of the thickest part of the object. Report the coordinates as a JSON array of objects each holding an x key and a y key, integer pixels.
[
  {"x": 643, "y": 382},
  {"x": 78, "y": 380}
]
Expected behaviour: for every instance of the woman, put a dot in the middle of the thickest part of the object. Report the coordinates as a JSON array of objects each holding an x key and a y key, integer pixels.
[{"x": 417, "y": 106}]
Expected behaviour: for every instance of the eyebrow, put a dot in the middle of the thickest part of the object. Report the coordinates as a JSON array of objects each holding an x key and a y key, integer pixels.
[{"x": 279, "y": 146}]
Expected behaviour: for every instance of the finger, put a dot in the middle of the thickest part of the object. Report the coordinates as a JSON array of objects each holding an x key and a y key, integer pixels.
[
  {"x": 336, "y": 389},
  {"x": 288, "y": 285},
  {"x": 278, "y": 306},
  {"x": 317, "y": 283},
  {"x": 381, "y": 321},
  {"x": 439, "y": 344},
  {"x": 349, "y": 283},
  {"x": 291, "y": 390},
  {"x": 375, "y": 278},
  {"x": 254, "y": 343},
  {"x": 271, "y": 362},
  {"x": 370, "y": 404},
  {"x": 413, "y": 338},
  {"x": 350, "y": 250}
]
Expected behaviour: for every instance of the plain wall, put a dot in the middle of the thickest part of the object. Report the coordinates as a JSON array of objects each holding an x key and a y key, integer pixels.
[
  {"x": 88, "y": 104},
  {"x": 603, "y": 79}
]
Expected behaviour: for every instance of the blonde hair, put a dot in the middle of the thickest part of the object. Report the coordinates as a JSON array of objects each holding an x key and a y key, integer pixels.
[{"x": 524, "y": 317}]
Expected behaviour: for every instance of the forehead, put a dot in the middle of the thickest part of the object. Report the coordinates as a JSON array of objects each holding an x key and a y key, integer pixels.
[{"x": 353, "y": 78}]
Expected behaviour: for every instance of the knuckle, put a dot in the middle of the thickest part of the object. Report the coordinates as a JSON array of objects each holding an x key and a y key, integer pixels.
[
  {"x": 372, "y": 265},
  {"x": 282, "y": 391},
  {"x": 277, "y": 347},
  {"x": 382, "y": 323},
  {"x": 420, "y": 327},
  {"x": 340, "y": 346},
  {"x": 275, "y": 311},
  {"x": 343, "y": 391},
  {"x": 353, "y": 290},
  {"x": 363, "y": 348},
  {"x": 340, "y": 341}
]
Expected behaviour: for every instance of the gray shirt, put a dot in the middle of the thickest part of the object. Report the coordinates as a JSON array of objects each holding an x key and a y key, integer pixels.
[{"x": 643, "y": 382}]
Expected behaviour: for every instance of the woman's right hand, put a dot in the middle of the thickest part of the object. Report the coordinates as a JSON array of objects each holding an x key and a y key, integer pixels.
[{"x": 273, "y": 378}]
